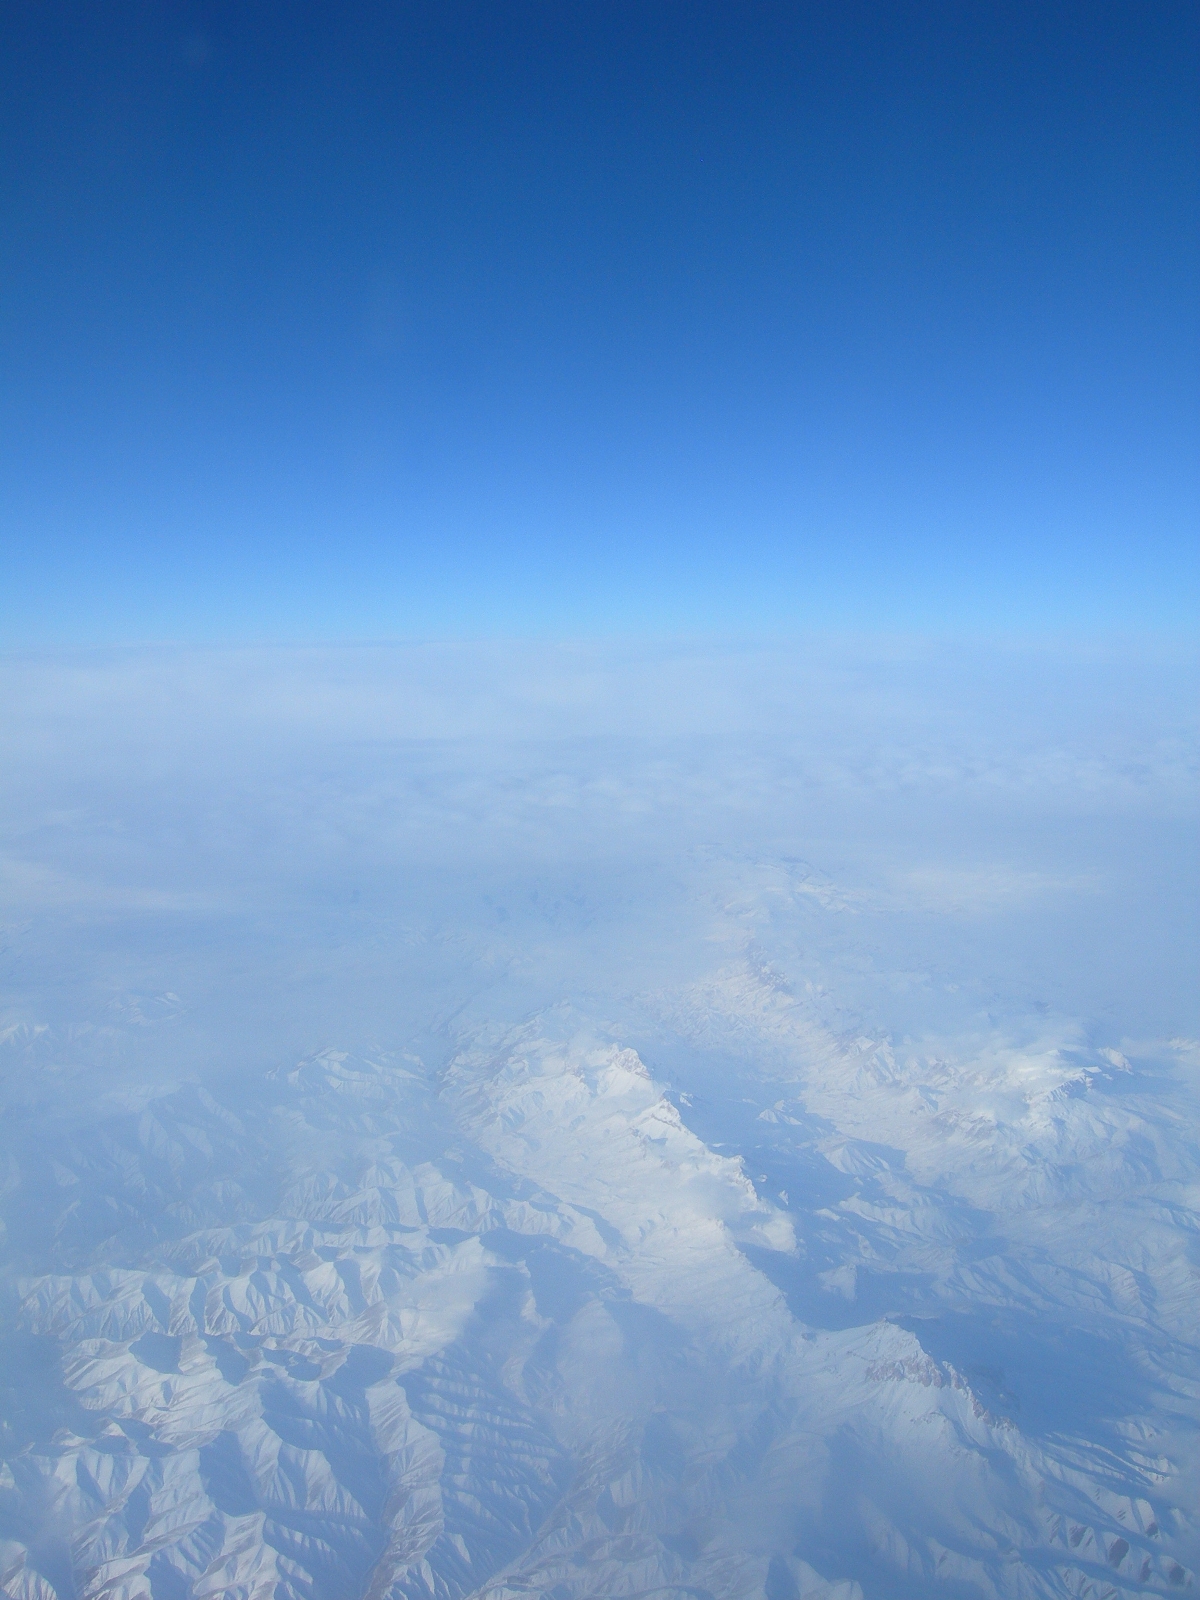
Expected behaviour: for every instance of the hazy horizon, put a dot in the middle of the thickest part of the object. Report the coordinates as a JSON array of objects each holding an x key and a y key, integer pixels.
[{"x": 599, "y": 807}]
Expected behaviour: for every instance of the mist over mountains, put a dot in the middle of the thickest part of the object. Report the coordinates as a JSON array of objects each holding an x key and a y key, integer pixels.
[{"x": 573, "y": 1120}]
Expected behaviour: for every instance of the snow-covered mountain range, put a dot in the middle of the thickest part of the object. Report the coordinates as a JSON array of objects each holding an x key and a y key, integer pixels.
[
  {"x": 513, "y": 1326},
  {"x": 698, "y": 1225}
]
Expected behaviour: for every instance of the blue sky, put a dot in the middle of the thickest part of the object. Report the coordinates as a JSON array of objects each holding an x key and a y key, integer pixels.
[{"x": 425, "y": 320}]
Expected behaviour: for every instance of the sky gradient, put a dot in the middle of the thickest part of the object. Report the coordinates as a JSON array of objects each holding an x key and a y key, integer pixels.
[{"x": 429, "y": 320}]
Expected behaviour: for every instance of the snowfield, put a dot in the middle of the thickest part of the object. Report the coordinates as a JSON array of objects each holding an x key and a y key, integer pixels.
[
  {"x": 568, "y": 1354},
  {"x": 693, "y": 1224}
]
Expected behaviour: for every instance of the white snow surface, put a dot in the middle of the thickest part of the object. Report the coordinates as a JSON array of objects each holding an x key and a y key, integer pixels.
[{"x": 510, "y": 1167}]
